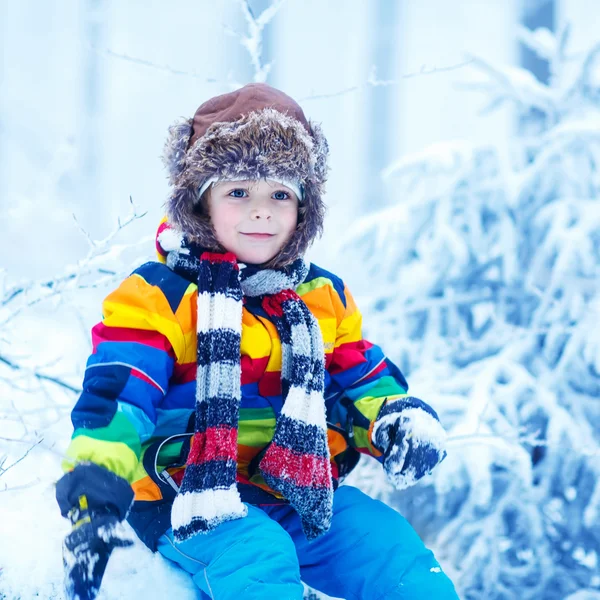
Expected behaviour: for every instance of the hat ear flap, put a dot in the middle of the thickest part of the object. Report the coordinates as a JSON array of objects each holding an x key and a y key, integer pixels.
[
  {"x": 185, "y": 214},
  {"x": 174, "y": 153},
  {"x": 180, "y": 208},
  {"x": 321, "y": 151}
]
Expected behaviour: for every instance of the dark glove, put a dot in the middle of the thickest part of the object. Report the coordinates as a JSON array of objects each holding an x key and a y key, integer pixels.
[
  {"x": 409, "y": 434},
  {"x": 95, "y": 501},
  {"x": 86, "y": 551}
]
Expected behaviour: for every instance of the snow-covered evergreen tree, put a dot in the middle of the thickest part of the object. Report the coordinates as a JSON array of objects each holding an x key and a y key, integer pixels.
[{"x": 482, "y": 281}]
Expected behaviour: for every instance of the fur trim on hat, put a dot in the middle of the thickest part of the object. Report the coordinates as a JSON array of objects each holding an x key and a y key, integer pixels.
[
  {"x": 259, "y": 145},
  {"x": 174, "y": 153}
]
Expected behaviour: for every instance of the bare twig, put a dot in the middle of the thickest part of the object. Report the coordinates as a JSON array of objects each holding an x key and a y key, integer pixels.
[
  {"x": 40, "y": 376},
  {"x": 150, "y": 65},
  {"x": 373, "y": 81},
  {"x": 20, "y": 487},
  {"x": 4, "y": 470},
  {"x": 17, "y": 440},
  {"x": 97, "y": 246}
]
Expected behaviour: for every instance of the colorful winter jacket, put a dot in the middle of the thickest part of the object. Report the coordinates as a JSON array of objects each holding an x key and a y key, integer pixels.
[{"x": 135, "y": 415}]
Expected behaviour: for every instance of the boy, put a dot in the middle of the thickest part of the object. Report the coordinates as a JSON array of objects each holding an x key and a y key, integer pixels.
[{"x": 230, "y": 388}]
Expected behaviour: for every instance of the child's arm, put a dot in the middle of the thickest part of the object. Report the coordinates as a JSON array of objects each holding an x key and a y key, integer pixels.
[
  {"x": 135, "y": 348},
  {"x": 361, "y": 376},
  {"x": 381, "y": 419},
  {"x": 127, "y": 375}
]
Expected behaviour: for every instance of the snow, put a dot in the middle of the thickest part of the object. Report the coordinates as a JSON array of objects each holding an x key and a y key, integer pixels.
[
  {"x": 477, "y": 270},
  {"x": 542, "y": 40},
  {"x": 171, "y": 240},
  {"x": 489, "y": 300},
  {"x": 570, "y": 494},
  {"x": 32, "y": 529},
  {"x": 441, "y": 156},
  {"x": 422, "y": 430}
]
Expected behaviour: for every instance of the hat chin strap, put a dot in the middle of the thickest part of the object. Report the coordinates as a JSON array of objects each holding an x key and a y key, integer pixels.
[{"x": 295, "y": 186}]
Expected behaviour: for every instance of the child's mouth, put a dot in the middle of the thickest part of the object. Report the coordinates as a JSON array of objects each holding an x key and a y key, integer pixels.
[{"x": 259, "y": 236}]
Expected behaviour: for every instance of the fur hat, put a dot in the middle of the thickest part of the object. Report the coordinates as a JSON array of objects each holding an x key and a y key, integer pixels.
[{"x": 253, "y": 133}]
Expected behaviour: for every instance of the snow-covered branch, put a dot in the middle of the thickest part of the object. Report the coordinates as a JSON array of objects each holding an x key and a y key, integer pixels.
[
  {"x": 253, "y": 41},
  {"x": 3, "y": 459},
  {"x": 35, "y": 373},
  {"x": 89, "y": 272}
]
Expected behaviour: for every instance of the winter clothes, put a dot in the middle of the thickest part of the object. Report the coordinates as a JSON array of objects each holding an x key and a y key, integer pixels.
[
  {"x": 409, "y": 434},
  {"x": 97, "y": 529},
  {"x": 139, "y": 389},
  {"x": 371, "y": 551},
  {"x": 296, "y": 463}
]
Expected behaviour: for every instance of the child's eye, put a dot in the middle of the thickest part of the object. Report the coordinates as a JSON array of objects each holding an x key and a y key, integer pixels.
[
  {"x": 281, "y": 195},
  {"x": 238, "y": 193}
]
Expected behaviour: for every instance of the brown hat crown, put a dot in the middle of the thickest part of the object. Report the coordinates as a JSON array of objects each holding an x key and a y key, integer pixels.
[{"x": 233, "y": 106}]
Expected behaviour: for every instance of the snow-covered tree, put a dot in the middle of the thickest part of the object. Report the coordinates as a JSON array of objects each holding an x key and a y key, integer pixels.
[{"x": 483, "y": 282}]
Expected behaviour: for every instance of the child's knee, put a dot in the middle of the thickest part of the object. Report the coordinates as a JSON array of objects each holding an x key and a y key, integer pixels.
[
  {"x": 248, "y": 585},
  {"x": 247, "y": 558},
  {"x": 261, "y": 565}
]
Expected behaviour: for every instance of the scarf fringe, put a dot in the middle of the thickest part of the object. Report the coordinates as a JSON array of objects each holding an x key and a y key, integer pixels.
[{"x": 201, "y": 512}]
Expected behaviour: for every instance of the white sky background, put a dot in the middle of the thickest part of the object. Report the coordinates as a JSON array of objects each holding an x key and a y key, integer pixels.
[{"x": 89, "y": 87}]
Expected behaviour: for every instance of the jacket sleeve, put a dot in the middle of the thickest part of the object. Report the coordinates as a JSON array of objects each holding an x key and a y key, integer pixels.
[
  {"x": 360, "y": 378},
  {"x": 135, "y": 347}
]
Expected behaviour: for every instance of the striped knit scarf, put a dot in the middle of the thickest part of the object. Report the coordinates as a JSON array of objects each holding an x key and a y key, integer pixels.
[{"x": 296, "y": 463}]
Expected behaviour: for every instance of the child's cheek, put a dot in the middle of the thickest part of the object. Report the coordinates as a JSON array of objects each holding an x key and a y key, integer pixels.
[{"x": 225, "y": 221}]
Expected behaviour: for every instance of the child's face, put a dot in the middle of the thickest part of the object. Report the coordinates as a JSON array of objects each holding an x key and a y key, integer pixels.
[{"x": 252, "y": 219}]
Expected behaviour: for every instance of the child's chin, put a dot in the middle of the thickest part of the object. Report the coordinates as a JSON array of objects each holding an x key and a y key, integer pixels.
[{"x": 255, "y": 258}]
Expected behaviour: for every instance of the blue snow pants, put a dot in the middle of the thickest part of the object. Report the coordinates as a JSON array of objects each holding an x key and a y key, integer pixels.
[{"x": 371, "y": 552}]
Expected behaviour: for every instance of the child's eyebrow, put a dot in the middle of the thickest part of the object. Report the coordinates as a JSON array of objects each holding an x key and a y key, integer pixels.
[{"x": 232, "y": 185}]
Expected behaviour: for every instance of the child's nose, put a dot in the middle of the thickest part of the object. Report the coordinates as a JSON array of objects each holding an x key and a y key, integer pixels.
[{"x": 260, "y": 210}]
